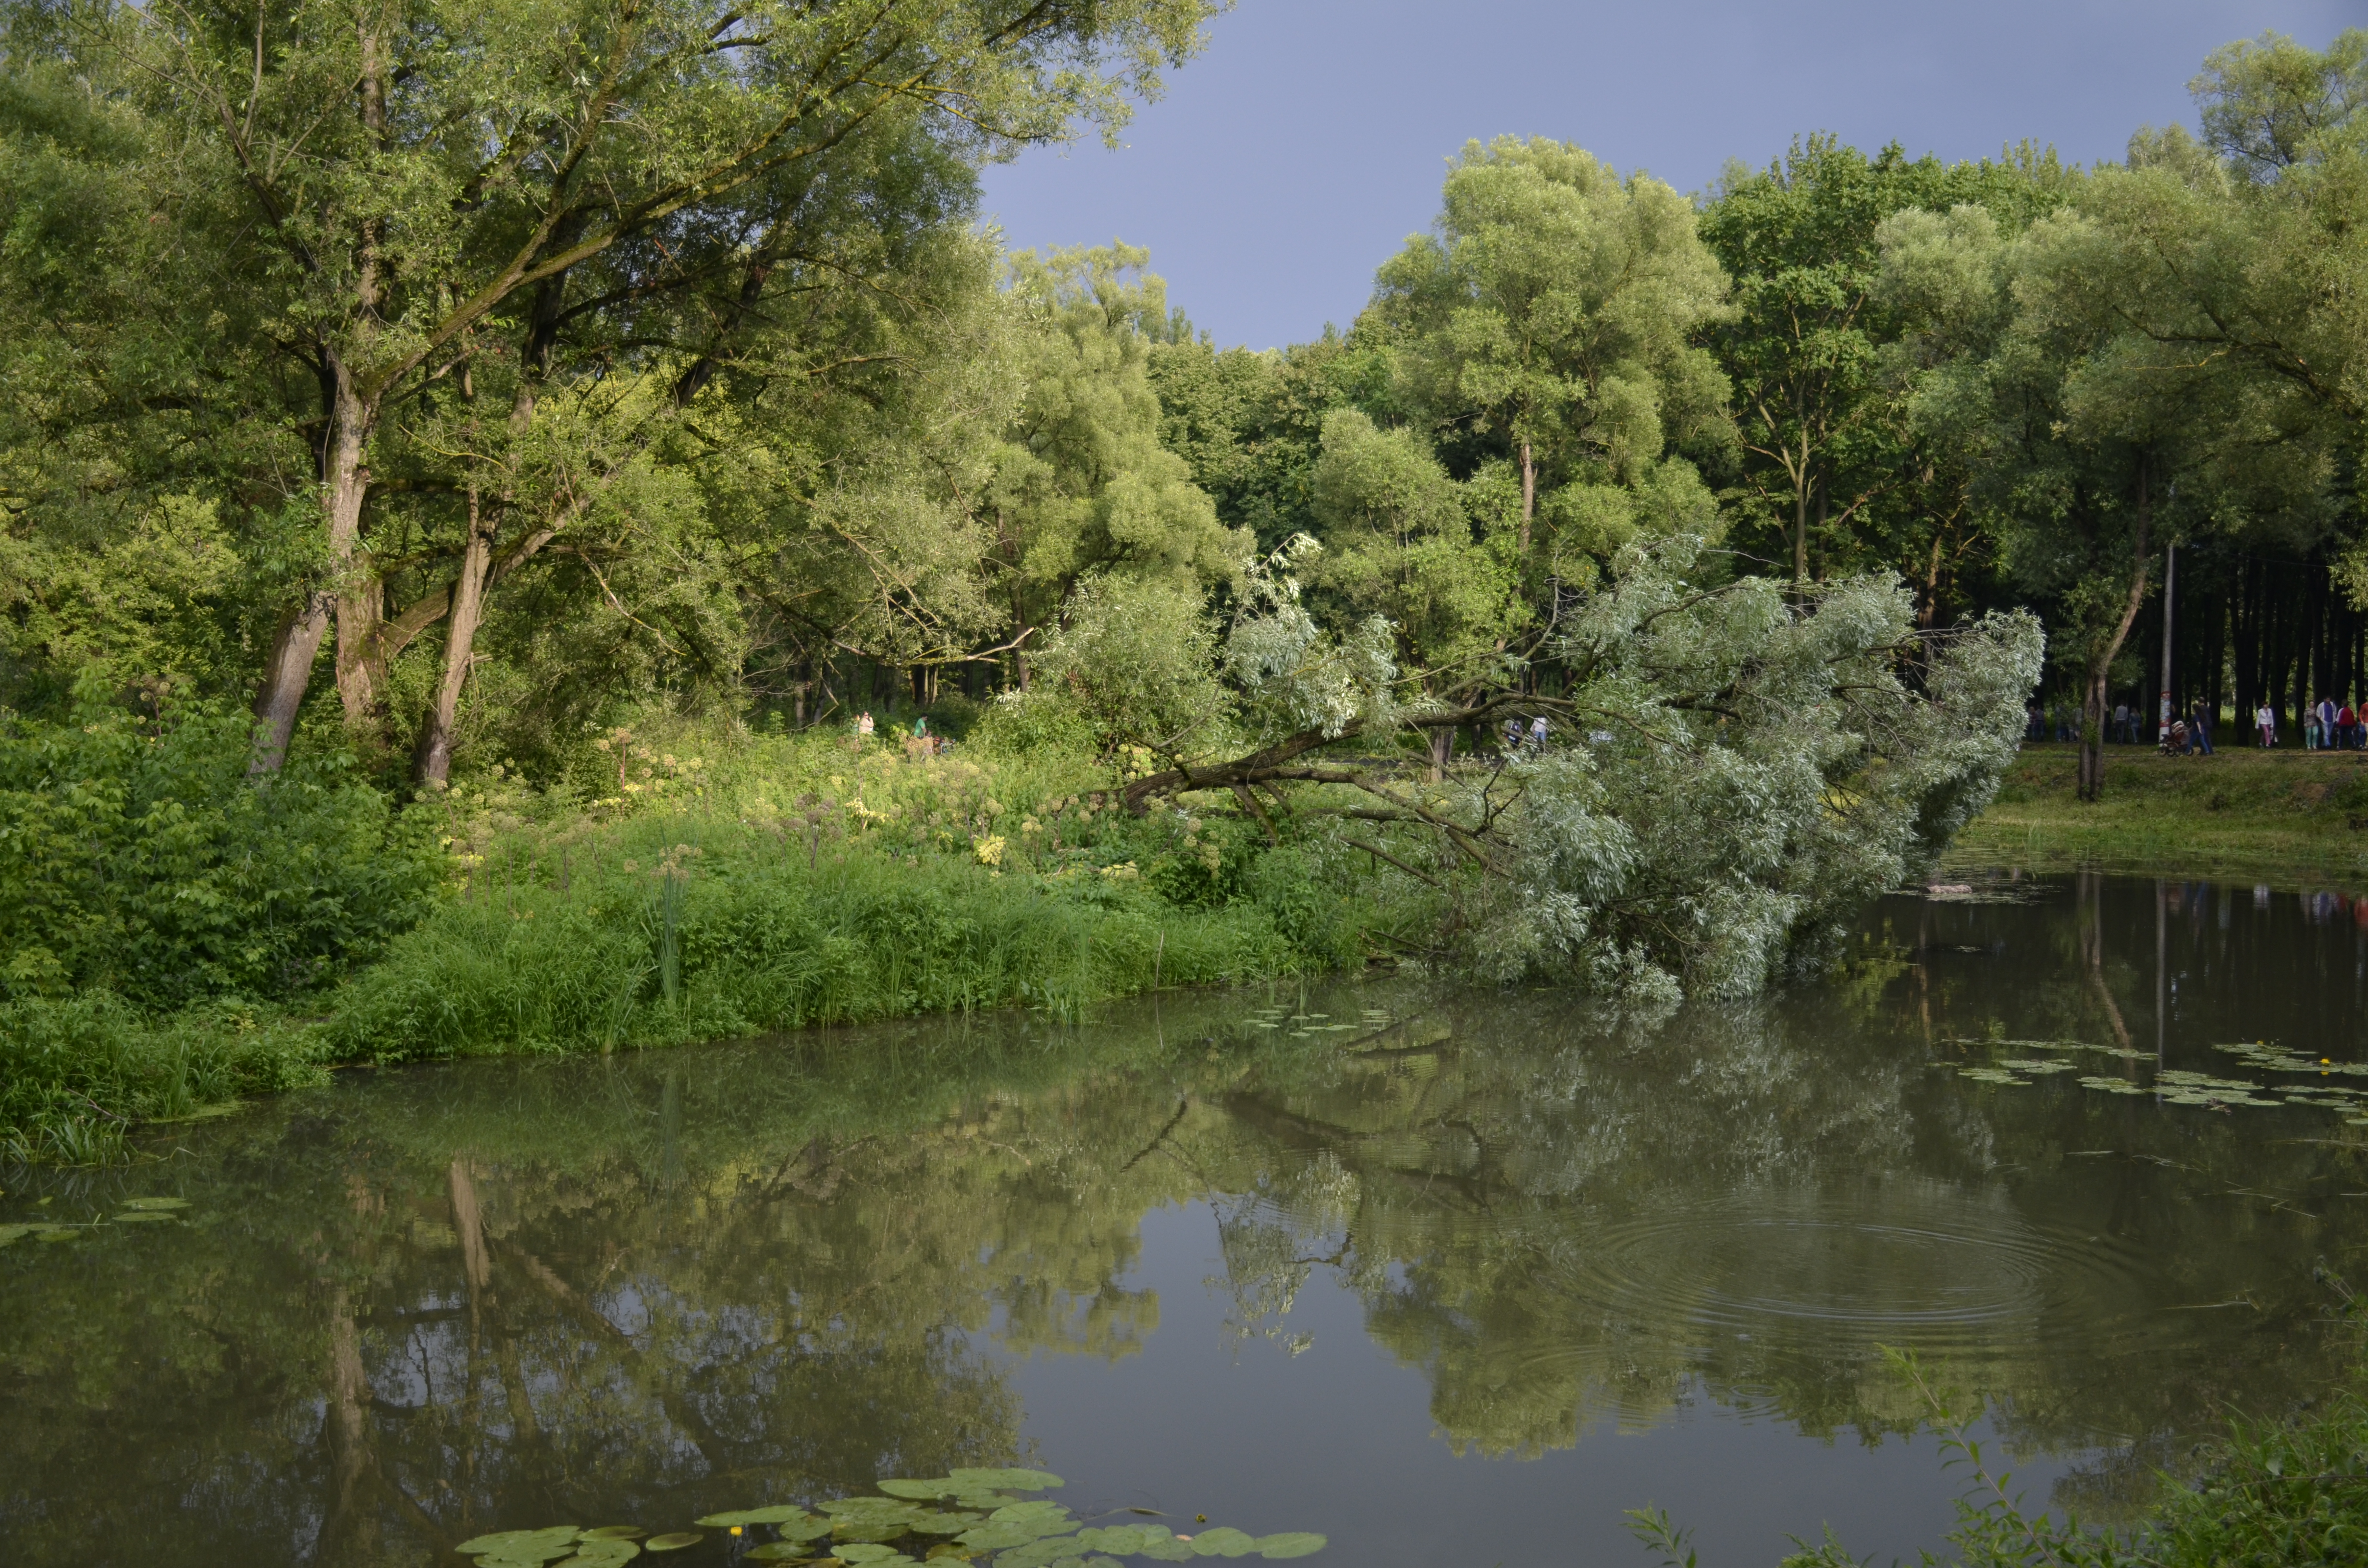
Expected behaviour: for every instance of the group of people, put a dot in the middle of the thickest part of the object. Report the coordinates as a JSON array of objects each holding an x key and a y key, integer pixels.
[
  {"x": 2185, "y": 734},
  {"x": 2327, "y": 725}
]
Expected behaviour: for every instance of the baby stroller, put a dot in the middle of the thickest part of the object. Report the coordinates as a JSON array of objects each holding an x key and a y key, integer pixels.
[{"x": 2176, "y": 742}]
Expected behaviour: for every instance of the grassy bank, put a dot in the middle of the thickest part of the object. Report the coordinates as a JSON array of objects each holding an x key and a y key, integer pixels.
[
  {"x": 2281, "y": 816},
  {"x": 703, "y": 887}
]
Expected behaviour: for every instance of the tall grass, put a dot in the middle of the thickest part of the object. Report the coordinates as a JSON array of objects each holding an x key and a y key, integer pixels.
[
  {"x": 724, "y": 886},
  {"x": 702, "y": 941}
]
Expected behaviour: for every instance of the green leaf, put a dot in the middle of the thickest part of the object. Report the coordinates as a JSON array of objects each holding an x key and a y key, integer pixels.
[
  {"x": 804, "y": 1529},
  {"x": 138, "y": 1215},
  {"x": 944, "y": 1523},
  {"x": 859, "y": 1551},
  {"x": 605, "y": 1549},
  {"x": 1167, "y": 1549},
  {"x": 1291, "y": 1543},
  {"x": 525, "y": 1546},
  {"x": 921, "y": 1491},
  {"x": 673, "y": 1540},
  {"x": 1007, "y": 1479},
  {"x": 780, "y": 1513},
  {"x": 996, "y": 1537},
  {"x": 1222, "y": 1542},
  {"x": 1119, "y": 1540},
  {"x": 157, "y": 1205},
  {"x": 778, "y": 1551}
]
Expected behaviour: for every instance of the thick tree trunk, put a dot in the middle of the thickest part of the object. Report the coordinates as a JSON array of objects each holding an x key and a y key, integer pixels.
[
  {"x": 1442, "y": 749},
  {"x": 433, "y": 764},
  {"x": 2092, "y": 712},
  {"x": 361, "y": 598},
  {"x": 281, "y": 695}
]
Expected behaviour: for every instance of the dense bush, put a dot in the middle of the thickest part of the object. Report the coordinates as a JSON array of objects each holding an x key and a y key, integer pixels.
[{"x": 138, "y": 859}]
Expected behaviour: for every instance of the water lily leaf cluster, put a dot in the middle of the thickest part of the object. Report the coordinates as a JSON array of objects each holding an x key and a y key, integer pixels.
[{"x": 966, "y": 1515}]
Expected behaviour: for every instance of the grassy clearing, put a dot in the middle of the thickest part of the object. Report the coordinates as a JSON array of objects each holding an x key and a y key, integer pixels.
[{"x": 2280, "y": 816}]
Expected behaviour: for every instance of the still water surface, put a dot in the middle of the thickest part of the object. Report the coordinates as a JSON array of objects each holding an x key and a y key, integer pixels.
[{"x": 1448, "y": 1277}]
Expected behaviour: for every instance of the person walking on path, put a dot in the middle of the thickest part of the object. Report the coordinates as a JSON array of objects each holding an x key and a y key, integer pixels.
[
  {"x": 2122, "y": 722},
  {"x": 2199, "y": 726},
  {"x": 2266, "y": 722},
  {"x": 2345, "y": 727}
]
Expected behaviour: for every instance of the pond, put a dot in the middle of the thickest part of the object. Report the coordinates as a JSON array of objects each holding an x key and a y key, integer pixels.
[{"x": 1445, "y": 1276}]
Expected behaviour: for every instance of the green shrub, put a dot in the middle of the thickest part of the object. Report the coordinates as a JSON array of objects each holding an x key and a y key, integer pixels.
[
  {"x": 75, "y": 1071},
  {"x": 139, "y": 860}
]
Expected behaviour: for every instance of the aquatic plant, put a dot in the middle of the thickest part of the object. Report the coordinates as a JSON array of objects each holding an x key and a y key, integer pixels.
[{"x": 966, "y": 1515}]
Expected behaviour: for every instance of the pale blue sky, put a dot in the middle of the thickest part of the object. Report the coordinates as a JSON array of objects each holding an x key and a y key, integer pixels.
[{"x": 1293, "y": 157}]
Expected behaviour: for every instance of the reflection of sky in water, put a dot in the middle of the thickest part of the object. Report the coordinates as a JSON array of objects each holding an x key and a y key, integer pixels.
[
  {"x": 1462, "y": 1280},
  {"x": 1204, "y": 1420}
]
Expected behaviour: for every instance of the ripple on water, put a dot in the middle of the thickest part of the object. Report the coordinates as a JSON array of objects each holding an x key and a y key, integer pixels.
[{"x": 1923, "y": 1265}]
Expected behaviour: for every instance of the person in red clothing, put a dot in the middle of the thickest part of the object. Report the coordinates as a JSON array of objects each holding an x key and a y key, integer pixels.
[{"x": 2347, "y": 727}]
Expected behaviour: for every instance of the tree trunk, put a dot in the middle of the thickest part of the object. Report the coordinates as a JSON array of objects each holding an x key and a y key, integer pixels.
[
  {"x": 361, "y": 598},
  {"x": 1801, "y": 531},
  {"x": 1442, "y": 749},
  {"x": 2092, "y": 713},
  {"x": 1529, "y": 494},
  {"x": 433, "y": 766},
  {"x": 281, "y": 695}
]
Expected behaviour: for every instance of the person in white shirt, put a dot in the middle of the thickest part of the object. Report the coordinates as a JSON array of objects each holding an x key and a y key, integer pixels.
[{"x": 2266, "y": 720}]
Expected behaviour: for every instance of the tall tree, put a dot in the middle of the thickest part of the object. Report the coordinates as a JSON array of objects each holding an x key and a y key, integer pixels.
[
  {"x": 1550, "y": 312},
  {"x": 1081, "y": 481},
  {"x": 432, "y": 190}
]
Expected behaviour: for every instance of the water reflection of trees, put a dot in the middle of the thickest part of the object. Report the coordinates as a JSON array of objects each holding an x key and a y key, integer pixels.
[{"x": 655, "y": 1287}]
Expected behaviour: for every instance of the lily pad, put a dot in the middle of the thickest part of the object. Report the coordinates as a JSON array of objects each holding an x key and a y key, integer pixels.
[
  {"x": 673, "y": 1540},
  {"x": 55, "y": 1233},
  {"x": 996, "y": 1537},
  {"x": 138, "y": 1216},
  {"x": 780, "y": 1513},
  {"x": 1222, "y": 1542},
  {"x": 1167, "y": 1549},
  {"x": 156, "y": 1204},
  {"x": 2113, "y": 1086},
  {"x": 1119, "y": 1540},
  {"x": 859, "y": 1551},
  {"x": 803, "y": 1529},
  {"x": 778, "y": 1551},
  {"x": 1291, "y": 1543},
  {"x": 929, "y": 1523},
  {"x": 603, "y": 1550},
  {"x": 921, "y": 1491},
  {"x": 1040, "y": 1553},
  {"x": 523, "y": 1546},
  {"x": 1006, "y": 1479}
]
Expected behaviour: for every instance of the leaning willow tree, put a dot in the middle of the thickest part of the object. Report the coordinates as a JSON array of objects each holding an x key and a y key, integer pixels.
[{"x": 1737, "y": 764}]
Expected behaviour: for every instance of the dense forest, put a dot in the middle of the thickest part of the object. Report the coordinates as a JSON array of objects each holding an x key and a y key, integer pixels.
[{"x": 445, "y": 442}]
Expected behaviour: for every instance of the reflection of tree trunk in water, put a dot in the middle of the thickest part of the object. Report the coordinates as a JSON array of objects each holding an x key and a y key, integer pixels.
[
  {"x": 343, "y": 1534},
  {"x": 468, "y": 1222},
  {"x": 653, "y": 1378},
  {"x": 2092, "y": 954},
  {"x": 477, "y": 1261}
]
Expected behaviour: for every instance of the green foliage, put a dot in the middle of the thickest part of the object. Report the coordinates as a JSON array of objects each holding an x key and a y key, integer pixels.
[
  {"x": 74, "y": 1072},
  {"x": 1763, "y": 765},
  {"x": 141, "y": 859},
  {"x": 2290, "y": 1493}
]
